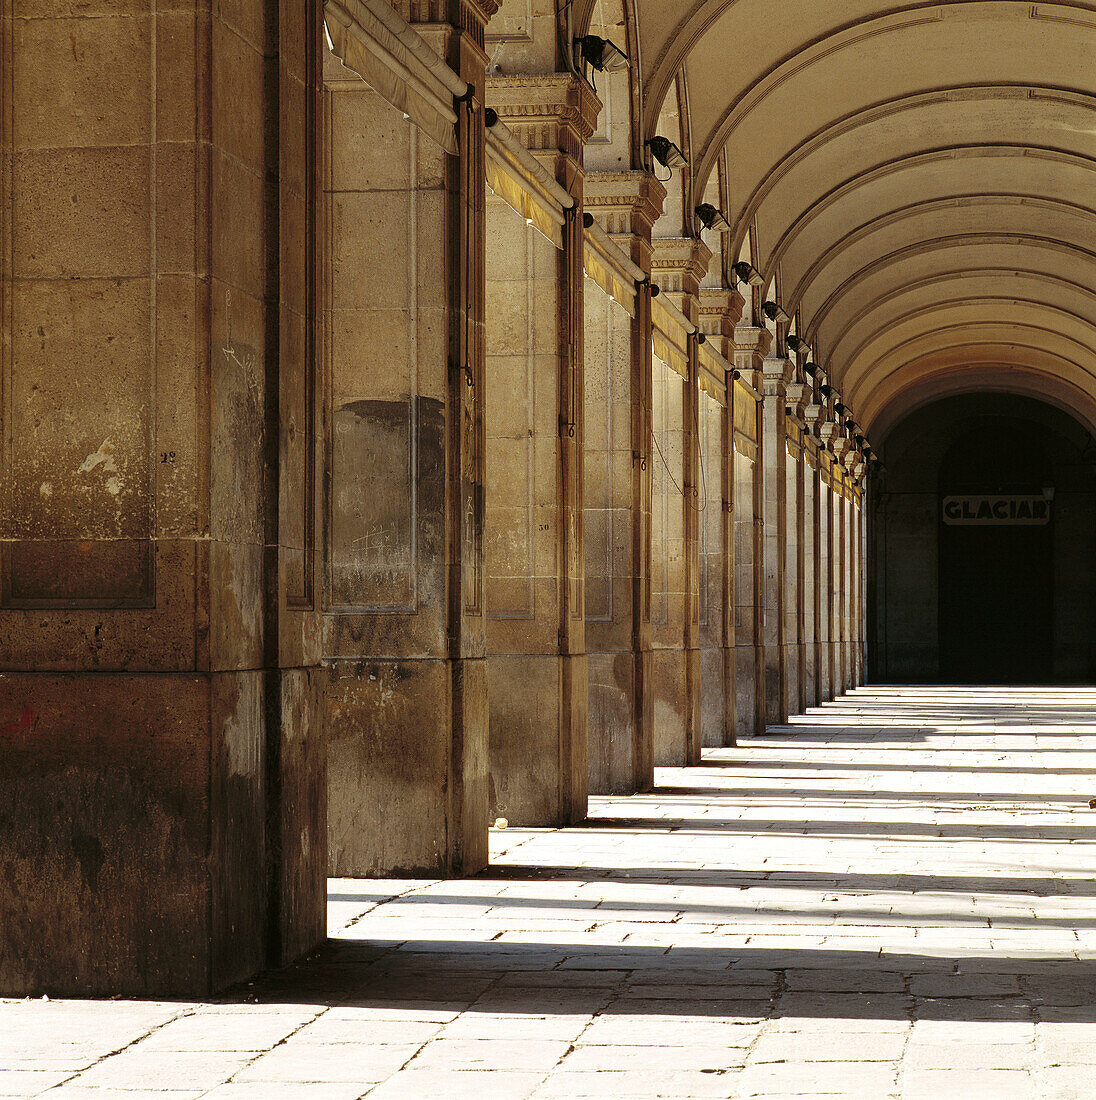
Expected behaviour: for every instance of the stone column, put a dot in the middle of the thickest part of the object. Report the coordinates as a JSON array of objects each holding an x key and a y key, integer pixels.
[
  {"x": 720, "y": 312},
  {"x": 750, "y": 346},
  {"x": 859, "y": 472},
  {"x": 406, "y": 692},
  {"x": 854, "y": 465},
  {"x": 843, "y": 554},
  {"x": 678, "y": 266},
  {"x": 831, "y": 439},
  {"x": 162, "y": 815},
  {"x": 536, "y": 666},
  {"x": 618, "y": 579},
  {"x": 796, "y": 591},
  {"x": 776, "y": 373},
  {"x": 825, "y": 579},
  {"x": 814, "y": 581}
]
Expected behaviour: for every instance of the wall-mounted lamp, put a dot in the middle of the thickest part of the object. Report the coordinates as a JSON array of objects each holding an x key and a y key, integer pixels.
[
  {"x": 838, "y": 408},
  {"x": 656, "y": 290},
  {"x": 587, "y": 220},
  {"x": 601, "y": 54},
  {"x": 775, "y": 313},
  {"x": 712, "y": 218},
  {"x": 745, "y": 272},
  {"x": 826, "y": 391},
  {"x": 796, "y": 343},
  {"x": 736, "y": 374},
  {"x": 701, "y": 338},
  {"x": 490, "y": 117},
  {"x": 667, "y": 153},
  {"x": 811, "y": 369}
]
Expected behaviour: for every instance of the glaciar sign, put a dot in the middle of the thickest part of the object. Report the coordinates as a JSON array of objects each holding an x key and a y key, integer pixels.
[{"x": 1009, "y": 511}]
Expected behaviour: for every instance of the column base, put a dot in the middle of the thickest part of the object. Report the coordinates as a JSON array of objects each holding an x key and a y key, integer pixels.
[
  {"x": 611, "y": 723},
  {"x": 670, "y": 707},
  {"x": 539, "y": 773},
  {"x": 712, "y": 698},
  {"x": 407, "y": 767},
  {"x": 748, "y": 703},
  {"x": 137, "y": 825}
]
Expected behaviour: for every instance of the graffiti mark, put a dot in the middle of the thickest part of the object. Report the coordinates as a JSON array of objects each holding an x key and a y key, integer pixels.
[{"x": 27, "y": 720}]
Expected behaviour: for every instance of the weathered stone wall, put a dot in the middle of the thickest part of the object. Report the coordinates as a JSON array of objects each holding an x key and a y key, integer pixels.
[{"x": 162, "y": 819}]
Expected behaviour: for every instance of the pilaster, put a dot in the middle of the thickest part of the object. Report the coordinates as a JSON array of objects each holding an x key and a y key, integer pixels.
[
  {"x": 815, "y": 581},
  {"x": 621, "y": 735},
  {"x": 751, "y": 345},
  {"x": 775, "y": 376},
  {"x": 538, "y": 677},
  {"x": 163, "y": 823},
  {"x": 404, "y": 529}
]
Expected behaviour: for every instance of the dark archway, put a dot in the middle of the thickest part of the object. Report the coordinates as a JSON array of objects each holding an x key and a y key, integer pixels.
[
  {"x": 983, "y": 531},
  {"x": 995, "y": 564}
]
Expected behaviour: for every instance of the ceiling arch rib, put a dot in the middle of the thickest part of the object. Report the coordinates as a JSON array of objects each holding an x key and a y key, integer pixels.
[
  {"x": 960, "y": 294},
  {"x": 919, "y": 175},
  {"x": 850, "y": 149},
  {"x": 815, "y": 275},
  {"x": 1009, "y": 346},
  {"x": 967, "y": 370},
  {"x": 877, "y": 285},
  {"x": 951, "y": 323},
  {"x": 1046, "y": 387},
  {"x": 927, "y": 50}
]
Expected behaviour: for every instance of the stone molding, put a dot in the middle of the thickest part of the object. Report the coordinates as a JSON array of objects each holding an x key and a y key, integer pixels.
[
  {"x": 776, "y": 373},
  {"x": 625, "y": 202},
  {"x": 720, "y": 311},
  {"x": 797, "y": 396},
  {"x": 679, "y": 264},
  {"x": 751, "y": 345},
  {"x": 467, "y": 15},
  {"x": 553, "y": 112}
]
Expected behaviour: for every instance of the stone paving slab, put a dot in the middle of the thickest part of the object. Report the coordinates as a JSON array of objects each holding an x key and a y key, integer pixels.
[{"x": 891, "y": 896}]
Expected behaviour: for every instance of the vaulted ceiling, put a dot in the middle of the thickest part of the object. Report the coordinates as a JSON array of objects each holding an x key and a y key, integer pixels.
[{"x": 920, "y": 176}]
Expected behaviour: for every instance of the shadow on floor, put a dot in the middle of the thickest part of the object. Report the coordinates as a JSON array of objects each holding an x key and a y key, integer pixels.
[{"x": 744, "y": 983}]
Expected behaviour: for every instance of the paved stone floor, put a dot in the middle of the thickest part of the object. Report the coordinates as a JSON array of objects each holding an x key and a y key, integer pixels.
[{"x": 892, "y": 896}]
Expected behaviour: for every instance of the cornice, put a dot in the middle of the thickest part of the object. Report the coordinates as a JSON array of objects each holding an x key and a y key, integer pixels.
[
  {"x": 720, "y": 310},
  {"x": 751, "y": 343},
  {"x": 624, "y": 202},
  {"x": 776, "y": 373},
  {"x": 546, "y": 111},
  {"x": 680, "y": 263},
  {"x": 468, "y": 15}
]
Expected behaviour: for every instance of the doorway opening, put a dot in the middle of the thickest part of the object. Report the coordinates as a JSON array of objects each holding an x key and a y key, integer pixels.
[{"x": 982, "y": 534}]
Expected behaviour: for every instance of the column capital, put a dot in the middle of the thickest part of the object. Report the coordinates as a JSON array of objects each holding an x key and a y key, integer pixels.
[
  {"x": 720, "y": 311},
  {"x": 679, "y": 264},
  {"x": 775, "y": 376},
  {"x": 467, "y": 15},
  {"x": 625, "y": 202},
  {"x": 550, "y": 112},
  {"x": 626, "y": 205},
  {"x": 797, "y": 395},
  {"x": 750, "y": 347},
  {"x": 813, "y": 414},
  {"x": 830, "y": 434}
]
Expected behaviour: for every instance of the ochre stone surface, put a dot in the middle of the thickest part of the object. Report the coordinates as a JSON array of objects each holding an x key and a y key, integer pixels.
[{"x": 162, "y": 829}]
